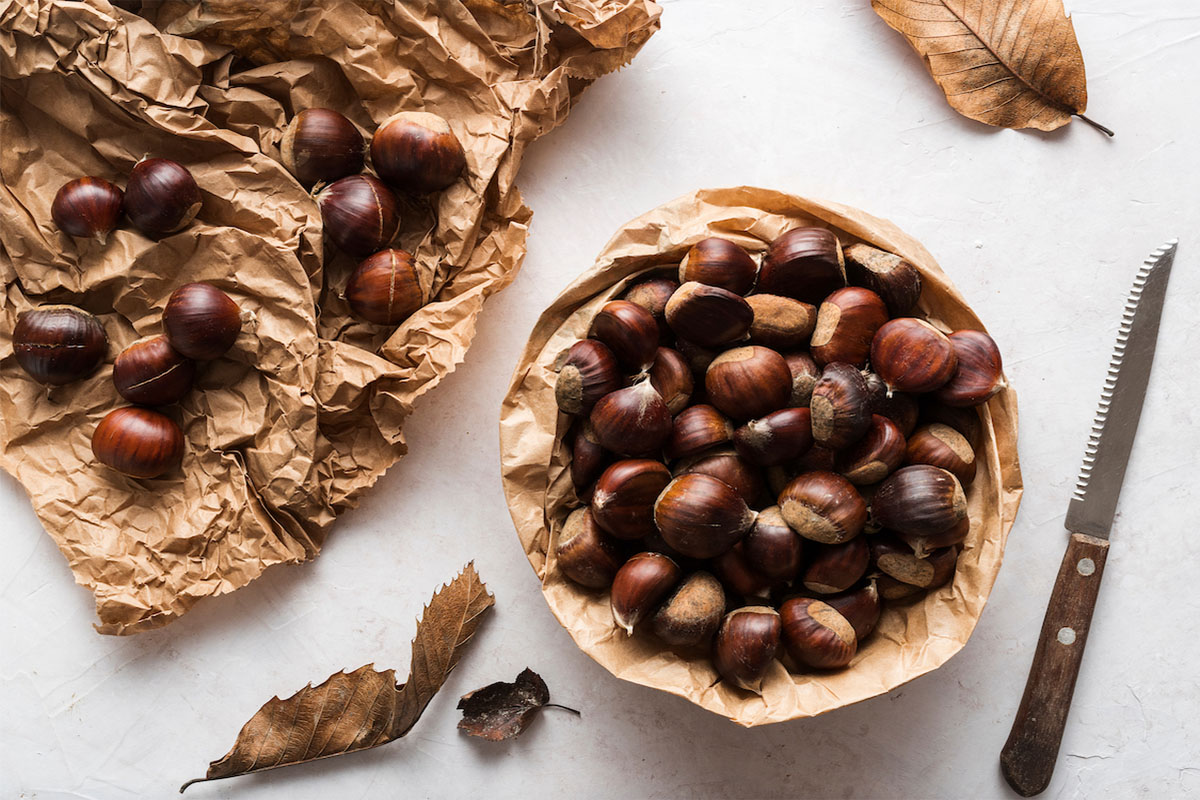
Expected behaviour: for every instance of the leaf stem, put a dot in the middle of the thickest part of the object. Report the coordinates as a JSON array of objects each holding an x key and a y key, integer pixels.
[
  {"x": 1096, "y": 125},
  {"x": 576, "y": 712}
]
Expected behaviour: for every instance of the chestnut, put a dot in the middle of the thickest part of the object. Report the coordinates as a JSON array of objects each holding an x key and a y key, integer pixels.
[
  {"x": 899, "y": 407},
  {"x": 728, "y": 467},
  {"x": 623, "y": 502},
  {"x": 887, "y": 275},
  {"x": 639, "y": 585},
  {"x": 89, "y": 208},
  {"x": 672, "y": 378},
  {"x": 835, "y": 568},
  {"x": 777, "y": 438},
  {"x": 896, "y": 559},
  {"x": 780, "y": 323},
  {"x": 629, "y": 331},
  {"x": 912, "y": 356},
  {"x": 817, "y": 459},
  {"x": 841, "y": 406},
  {"x": 691, "y": 614},
  {"x": 719, "y": 262},
  {"x": 321, "y": 145},
  {"x": 804, "y": 263},
  {"x": 386, "y": 288},
  {"x": 201, "y": 321},
  {"x": 873, "y": 457},
  {"x": 633, "y": 421},
  {"x": 824, "y": 507},
  {"x": 652, "y": 295},
  {"x": 152, "y": 373},
  {"x": 701, "y": 516},
  {"x": 697, "y": 429},
  {"x": 586, "y": 554},
  {"x": 161, "y": 196},
  {"x": 805, "y": 374},
  {"x": 359, "y": 214},
  {"x": 587, "y": 371},
  {"x": 860, "y": 607},
  {"x": 138, "y": 442},
  {"x": 708, "y": 315},
  {"x": 58, "y": 344},
  {"x": 980, "y": 374},
  {"x": 416, "y": 152},
  {"x": 816, "y": 634},
  {"x": 892, "y": 589},
  {"x": 941, "y": 446},
  {"x": 919, "y": 501},
  {"x": 745, "y": 647},
  {"x": 846, "y": 324},
  {"x": 738, "y": 576},
  {"x": 922, "y": 546},
  {"x": 964, "y": 420},
  {"x": 771, "y": 548},
  {"x": 748, "y": 382},
  {"x": 588, "y": 459}
]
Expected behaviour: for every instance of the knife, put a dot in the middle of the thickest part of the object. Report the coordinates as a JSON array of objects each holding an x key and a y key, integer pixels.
[{"x": 1031, "y": 751}]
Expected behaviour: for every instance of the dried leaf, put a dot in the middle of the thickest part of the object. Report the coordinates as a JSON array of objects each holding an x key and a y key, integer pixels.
[
  {"x": 502, "y": 710},
  {"x": 1009, "y": 63},
  {"x": 361, "y": 709}
]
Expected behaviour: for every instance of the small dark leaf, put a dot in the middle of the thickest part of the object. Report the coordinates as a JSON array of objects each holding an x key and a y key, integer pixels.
[{"x": 502, "y": 710}]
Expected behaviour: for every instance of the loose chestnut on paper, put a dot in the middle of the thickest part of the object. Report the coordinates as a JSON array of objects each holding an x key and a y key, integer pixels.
[
  {"x": 201, "y": 321},
  {"x": 771, "y": 548},
  {"x": 942, "y": 446},
  {"x": 846, "y": 324},
  {"x": 835, "y": 568},
  {"x": 588, "y": 459},
  {"x": 887, "y": 275},
  {"x": 824, "y": 507},
  {"x": 964, "y": 420},
  {"x": 739, "y": 578},
  {"x": 748, "y": 382},
  {"x": 320, "y": 144},
  {"x": 896, "y": 559},
  {"x": 386, "y": 288},
  {"x": 672, "y": 378},
  {"x": 640, "y": 584},
  {"x": 138, "y": 442},
  {"x": 633, "y": 421},
  {"x": 586, "y": 554},
  {"x": 875, "y": 456},
  {"x": 161, "y": 196},
  {"x": 89, "y": 208},
  {"x": 691, "y": 615},
  {"x": 653, "y": 295},
  {"x": 588, "y": 371},
  {"x": 623, "y": 502},
  {"x": 728, "y": 467},
  {"x": 817, "y": 635},
  {"x": 719, "y": 262},
  {"x": 629, "y": 331},
  {"x": 745, "y": 647},
  {"x": 701, "y": 516},
  {"x": 920, "y": 501},
  {"x": 980, "y": 374},
  {"x": 777, "y": 438},
  {"x": 860, "y": 607},
  {"x": 152, "y": 373},
  {"x": 841, "y": 407},
  {"x": 359, "y": 214},
  {"x": 780, "y": 323},
  {"x": 804, "y": 263},
  {"x": 58, "y": 344},
  {"x": 697, "y": 429},
  {"x": 912, "y": 356},
  {"x": 708, "y": 315},
  {"x": 417, "y": 152}
]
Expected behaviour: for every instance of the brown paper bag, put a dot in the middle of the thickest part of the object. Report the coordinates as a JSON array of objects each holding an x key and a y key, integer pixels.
[
  {"x": 911, "y": 639},
  {"x": 307, "y": 410}
]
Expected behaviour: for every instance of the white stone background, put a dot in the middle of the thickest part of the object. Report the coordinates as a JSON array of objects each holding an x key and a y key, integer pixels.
[{"x": 1041, "y": 232}]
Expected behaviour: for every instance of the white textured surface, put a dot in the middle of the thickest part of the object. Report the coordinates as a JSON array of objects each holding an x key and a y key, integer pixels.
[{"x": 1042, "y": 232}]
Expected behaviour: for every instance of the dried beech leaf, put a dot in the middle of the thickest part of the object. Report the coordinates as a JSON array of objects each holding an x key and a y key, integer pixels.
[
  {"x": 502, "y": 710},
  {"x": 361, "y": 709},
  {"x": 1008, "y": 63}
]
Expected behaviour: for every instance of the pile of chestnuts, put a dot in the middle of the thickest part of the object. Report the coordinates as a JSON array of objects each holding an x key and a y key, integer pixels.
[
  {"x": 161, "y": 197},
  {"x": 413, "y": 153},
  {"x": 60, "y": 344},
  {"x": 768, "y": 451}
]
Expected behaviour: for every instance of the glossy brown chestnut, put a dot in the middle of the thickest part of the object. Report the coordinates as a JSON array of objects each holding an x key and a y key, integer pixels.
[
  {"x": 777, "y": 438},
  {"x": 640, "y": 584},
  {"x": 771, "y": 548},
  {"x": 745, "y": 647},
  {"x": 691, "y": 615},
  {"x": 321, "y": 145},
  {"x": 58, "y": 344},
  {"x": 912, "y": 356},
  {"x": 719, "y": 262},
  {"x": 980, "y": 372},
  {"x": 586, "y": 554},
  {"x": 920, "y": 501},
  {"x": 386, "y": 288},
  {"x": 824, "y": 507},
  {"x": 138, "y": 442},
  {"x": 152, "y": 373},
  {"x": 738, "y": 577},
  {"x": 623, "y": 503},
  {"x": 672, "y": 378},
  {"x": 804, "y": 263},
  {"x": 899, "y": 407},
  {"x": 416, "y": 152},
  {"x": 201, "y": 321},
  {"x": 728, "y": 467},
  {"x": 888, "y": 275},
  {"x": 805, "y": 374},
  {"x": 841, "y": 406},
  {"x": 697, "y": 429},
  {"x": 161, "y": 196},
  {"x": 894, "y": 558},
  {"x": 922, "y": 546},
  {"x": 964, "y": 420},
  {"x": 701, "y": 516},
  {"x": 587, "y": 372},
  {"x": 818, "y": 459},
  {"x": 629, "y": 331},
  {"x": 817, "y": 635},
  {"x": 941, "y": 446},
  {"x": 846, "y": 324},
  {"x": 708, "y": 315},
  {"x": 834, "y": 568},
  {"x": 359, "y": 213},
  {"x": 588, "y": 459},
  {"x": 653, "y": 295},
  {"x": 860, "y": 607},
  {"x": 88, "y": 208},
  {"x": 633, "y": 421},
  {"x": 780, "y": 323},
  {"x": 875, "y": 456},
  {"x": 748, "y": 382}
]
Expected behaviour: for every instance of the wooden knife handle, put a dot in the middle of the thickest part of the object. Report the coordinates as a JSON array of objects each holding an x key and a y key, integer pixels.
[{"x": 1031, "y": 751}]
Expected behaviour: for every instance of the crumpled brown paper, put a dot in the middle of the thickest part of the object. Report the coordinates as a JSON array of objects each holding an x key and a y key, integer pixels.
[
  {"x": 911, "y": 639},
  {"x": 306, "y": 412}
]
